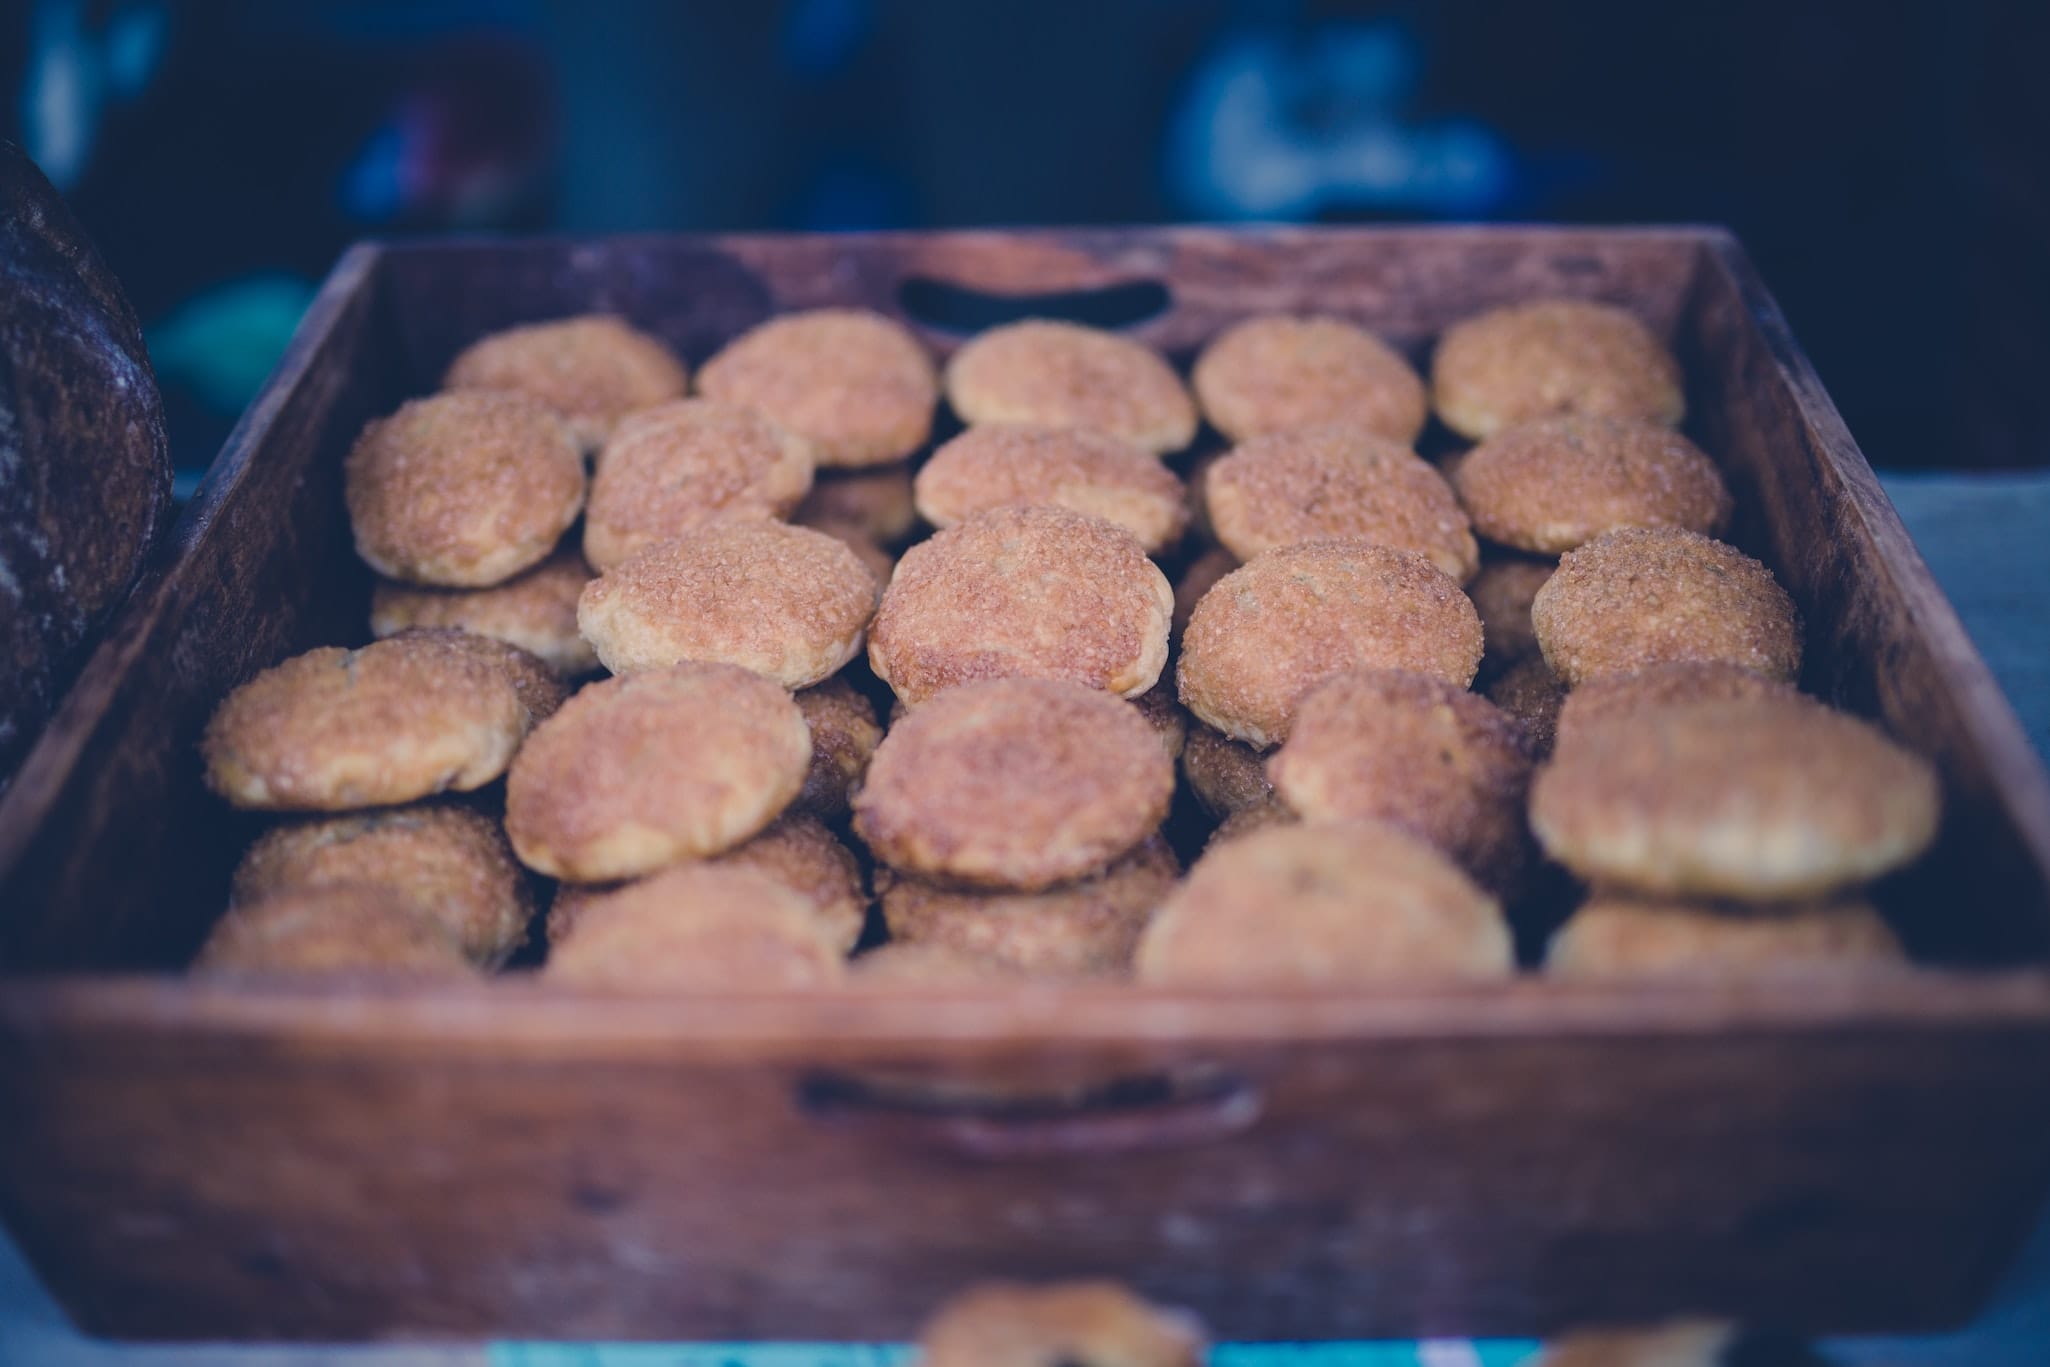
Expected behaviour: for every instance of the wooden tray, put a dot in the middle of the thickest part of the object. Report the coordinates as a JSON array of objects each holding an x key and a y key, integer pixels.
[{"x": 181, "y": 1159}]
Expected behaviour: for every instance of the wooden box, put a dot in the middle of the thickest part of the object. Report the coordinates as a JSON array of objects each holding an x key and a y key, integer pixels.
[{"x": 183, "y": 1159}]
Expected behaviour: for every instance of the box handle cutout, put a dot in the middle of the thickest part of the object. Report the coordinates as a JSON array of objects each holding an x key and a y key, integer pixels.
[{"x": 947, "y": 307}]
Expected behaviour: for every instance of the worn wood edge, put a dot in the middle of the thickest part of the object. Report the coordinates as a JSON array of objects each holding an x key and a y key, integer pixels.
[{"x": 44, "y": 774}]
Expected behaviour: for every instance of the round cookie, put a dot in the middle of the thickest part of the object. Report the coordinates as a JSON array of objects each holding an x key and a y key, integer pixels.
[
  {"x": 1551, "y": 484},
  {"x": 1056, "y": 374},
  {"x": 1198, "y": 579},
  {"x": 1002, "y": 463},
  {"x": 1615, "y": 695},
  {"x": 1013, "y": 783},
  {"x": 698, "y": 928},
  {"x": 336, "y": 929},
  {"x": 1284, "y": 621},
  {"x": 1066, "y": 1324},
  {"x": 875, "y": 503},
  {"x": 1086, "y": 929},
  {"x": 645, "y": 770},
  {"x": 1530, "y": 692},
  {"x": 1758, "y": 799},
  {"x": 671, "y": 469},
  {"x": 1277, "y": 372},
  {"x": 1324, "y": 904},
  {"x": 1645, "y": 596},
  {"x": 1035, "y": 592},
  {"x": 1226, "y": 775},
  {"x": 928, "y": 965},
  {"x": 1617, "y": 937},
  {"x": 1502, "y": 594},
  {"x": 844, "y": 734},
  {"x": 1316, "y": 483},
  {"x": 446, "y": 864},
  {"x": 462, "y": 490},
  {"x": 421, "y": 713},
  {"x": 1413, "y": 752},
  {"x": 592, "y": 370},
  {"x": 856, "y": 385},
  {"x": 1549, "y": 357},
  {"x": 787, "y": 602},
  {"x": 535, "y": 610}
]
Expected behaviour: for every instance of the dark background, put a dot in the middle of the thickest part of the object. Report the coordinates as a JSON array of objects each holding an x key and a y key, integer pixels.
[{"x": 1887, "y": 163}]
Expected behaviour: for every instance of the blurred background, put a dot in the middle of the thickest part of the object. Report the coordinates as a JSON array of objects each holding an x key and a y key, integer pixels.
[{"x": 1889, "y": 165}]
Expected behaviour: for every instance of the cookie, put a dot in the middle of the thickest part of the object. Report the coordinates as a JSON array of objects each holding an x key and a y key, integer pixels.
[
  {"x": 639, "y": 772},
  {"x": 1531, "y": 693},
  {"x": 1275, "y": 372},
  {"x": 1067, "y": 1324},
  {"x": 1316, "y": 483},
  {"x": 1032, "y": 592},
  {"x": 445, "y": 863},
  {"x": 1324, "y": 903},
  {"x": 1258, "y": 817},
  {"x": 856, "y": 385},
  {"x": 875, "y": 503},
  {"x": 669, "y": 470},
  {"x": 1168, "y": 718},
  {"x": 698, "y": 928},
  {"x": 1549, "y": 357},
  {"x": 1552, "y": 484},
  {"x": 592, "y": 370},
  {"x": 844, "y": 734},
  {"x": 1617, "y": 937},
  {"x": 929, "y": 965},
  {"x": 1002, "y": 463},
  {"x": 1198, "y": 579},
  {"x": 1757, "y": 799},
  {"x": 1616, "y": 695},
  {"x": 787, "y": 602},
  {"x": 1647, "y": 596},
  {"x": 462, "y": 490},
  {"x": 535, "y": 610},
  {"x": 1286, "y": 620},
  {"x": 332, "y": 930},
  {"x": 1502, "y": 594},
  {"x": 1226, "y": 775},
  {"x": 1055, "y": 374},
  {"x": 1013, "y": 783}
]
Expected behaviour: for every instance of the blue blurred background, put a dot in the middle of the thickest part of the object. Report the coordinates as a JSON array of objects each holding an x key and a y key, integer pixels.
[{"x": 1888, "y": 164}]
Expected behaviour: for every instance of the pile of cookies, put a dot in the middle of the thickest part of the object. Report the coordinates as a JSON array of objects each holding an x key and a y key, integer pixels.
[{"x": 982, "y": 756}]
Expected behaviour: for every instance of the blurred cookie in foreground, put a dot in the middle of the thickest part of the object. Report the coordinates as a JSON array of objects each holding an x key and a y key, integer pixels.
[
  {"x": 1315, "y": 483},
  {"x": 1617, "y": 937},
  {"x": 1325, "y": 903},
  {"x": 1284, "y": 621},
  {"x": 1276, "y": 372},
  {"x": 1056, "y": 374},
  {"x": 1549, "y": 357},
  {"x": 1064, "y": 1324},
  {"x": 1645, "y": 596},
  {"x": 697, "y": 928},
  {"x": 1532, "y": 693},
  {"x": 875, "y": 503},
  {"x": 856, "y": 385},
  {"x": 787, "y": 602},
  {"x": 929, "y": 965},
  {"x": 535, "y": 610},
  {"x": 462, "y": 490},
  {"x": 1616, "y": 695},
  {"x": 348, "y": 930},
  {"x": 1028, "y": 592},
  {"x": 844, "y": 734},
  {"x": 1761, "y": 799},
  {"x": 1091, "y": 472},
  {"x": 591, "y": 370},
  {"x": 1013, "y": 783},
  {"x": 642, "y": 771}
]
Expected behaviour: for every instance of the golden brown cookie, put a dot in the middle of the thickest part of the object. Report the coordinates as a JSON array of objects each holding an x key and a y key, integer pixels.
[
  {"x": 671, "y": 469},
  {"x": 638, "y": 772},
  {"x": 1067, "y": 1324},
  {"x": 1531, "y": 693},
  {"x": 1085, "y": 929},
  {"x": 1057, "y": 374},
  {"x": 844, "y": 734},
  {"x": 1325, "y": 903},
  {"x": 535, "y": 610},
  {"x": 1013, "y": 783},
  {"x": 1619, "y": 937},
  {"x": 448, "y": 864},
  {"x": 1246, "y": 820},
  {"x": 1316, "y": 483},
  {"x": 1414, "y": 752},
  {"x": 787, "y": 602},
  {"x": 1225, "y": 774},
  {"x": 1284, "y": 621},
  {"x": 1276, "y": 372},
  {"x": 928, "y": 965},
  {"x": 541, "y": 690},
  {"x": 1198, "y": 579},
  {"x": 463, "y": 490},
  {"x": 875, "y": 503},
  {"x": 1034, "y": 592},
  {"x": 698, "y": 928},
  {"x": 856, "y": 385},
  {"x": 1645, "y": 596},
  {"x": 1552, "y": 356},
  {"x": 1616, "y": 695},
  {"x": 1762, "y": 799},
  {"x": 1502, "y": 593},
  {"x": 1091, "y": 472},
  {"x": 592, "y": 370},
  {"x": 421, "y": 713},
  {"x": 335, "y": 929},
  {"x": 1551, "y": 484}
]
